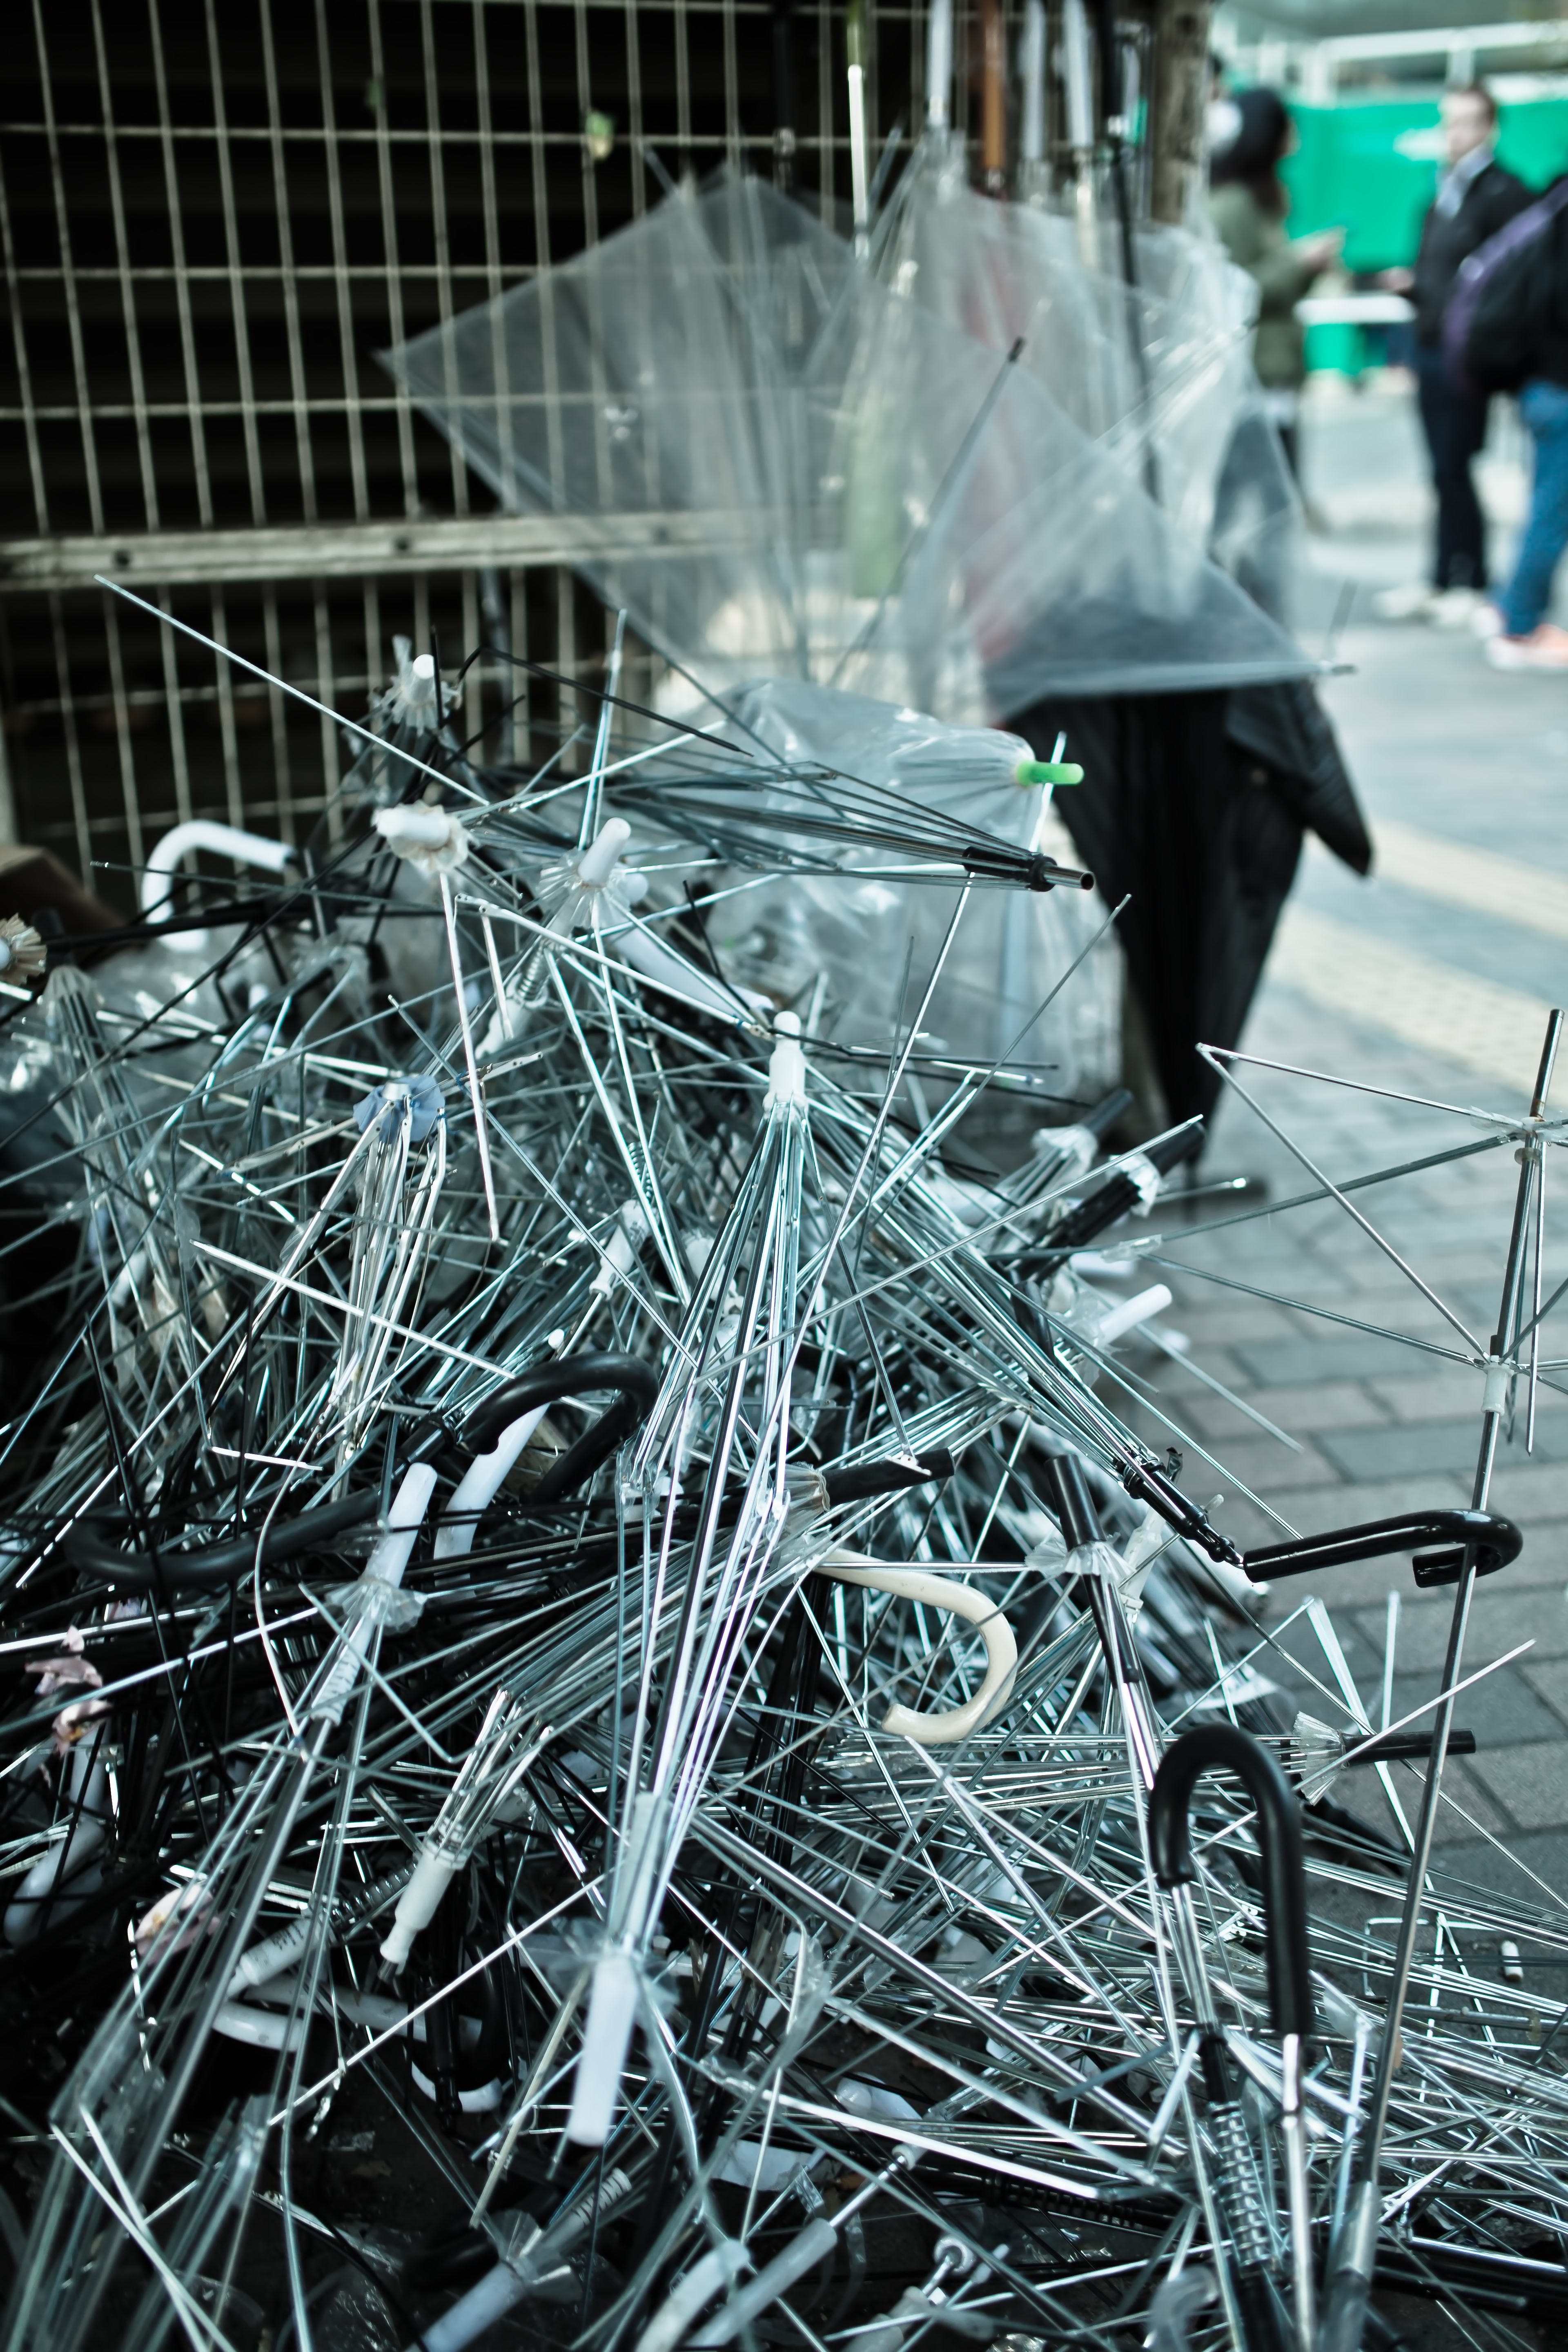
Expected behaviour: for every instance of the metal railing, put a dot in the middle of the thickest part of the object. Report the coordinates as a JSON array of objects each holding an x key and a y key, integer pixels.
[{"x": 211, "y": 219}]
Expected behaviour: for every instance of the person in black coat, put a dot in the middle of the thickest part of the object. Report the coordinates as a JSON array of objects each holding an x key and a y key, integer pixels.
[{"x": 1476, "y": 198}]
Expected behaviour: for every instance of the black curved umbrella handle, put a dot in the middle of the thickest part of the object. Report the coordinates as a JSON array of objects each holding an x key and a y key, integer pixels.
[
  {"x": 1223, "y": 1746},
  {"x": 224, "y": 1563},
  {"x": 1491, "y": 1541},
  {"x": 1495, "y": 1542},
  {"x": 637, "y": 1385}
]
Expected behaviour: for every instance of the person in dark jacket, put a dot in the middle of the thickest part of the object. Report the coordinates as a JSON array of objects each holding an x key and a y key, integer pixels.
[{"x": 1476, "y": 198}]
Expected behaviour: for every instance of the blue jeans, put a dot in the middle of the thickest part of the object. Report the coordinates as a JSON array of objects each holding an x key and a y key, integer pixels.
[{"x": 1528, "y": 597}]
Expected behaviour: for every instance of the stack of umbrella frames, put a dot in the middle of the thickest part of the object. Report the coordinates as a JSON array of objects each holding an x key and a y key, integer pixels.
[{"x": 621, "y": 1730}]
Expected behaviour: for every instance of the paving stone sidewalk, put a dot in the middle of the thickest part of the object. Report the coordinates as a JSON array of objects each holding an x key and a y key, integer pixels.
[
  {"x": 1473, "y": 761},
  {"x": 1382, "y": 1424}
]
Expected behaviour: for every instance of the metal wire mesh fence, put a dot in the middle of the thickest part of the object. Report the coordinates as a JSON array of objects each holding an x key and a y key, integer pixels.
[{"x": 210, "y": 221}]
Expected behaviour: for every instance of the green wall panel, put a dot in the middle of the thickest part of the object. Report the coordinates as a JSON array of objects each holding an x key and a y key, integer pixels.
[{"x": 1353, "y": 169}]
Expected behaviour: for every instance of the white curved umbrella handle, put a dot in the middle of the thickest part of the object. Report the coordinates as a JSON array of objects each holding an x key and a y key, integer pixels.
[
  {"x": 938, "y": 1593},
  {"x": 201, "y": 833},
  {"x": 482, "y": 1483}
]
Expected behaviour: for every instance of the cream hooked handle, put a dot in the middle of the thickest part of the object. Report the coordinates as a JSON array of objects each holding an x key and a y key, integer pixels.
[{"x": 934, "y": 1592}]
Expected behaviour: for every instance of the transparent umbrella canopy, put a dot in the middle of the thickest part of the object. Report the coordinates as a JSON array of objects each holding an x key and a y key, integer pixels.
[
  {"x": 1155, "y": 369},
  {"x": 784, "y": 466}
]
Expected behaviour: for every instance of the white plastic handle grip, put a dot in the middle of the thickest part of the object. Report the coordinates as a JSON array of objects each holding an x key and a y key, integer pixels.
[
  {"x": 938, "y": 1593},
  {"x": 385, "y": 1567},
  {"x": 606, "y": 2038},
  {"x": 433, "y": 1873},
  {"x": 270, "y": 1957},
  {"x": 719, "y": 2269},
  {"x": 480, "y": 1484},
  {"x": 414, "y": 828},
  {"x": 201, "y": 833},
  {"x": 939, "y": 64},
  {"x": 685, "y": 981},
  {"x": 1130, "y": 1312}
]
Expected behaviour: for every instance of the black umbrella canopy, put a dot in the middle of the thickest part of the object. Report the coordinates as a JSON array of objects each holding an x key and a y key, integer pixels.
[{"x": 1194, "y": 806}]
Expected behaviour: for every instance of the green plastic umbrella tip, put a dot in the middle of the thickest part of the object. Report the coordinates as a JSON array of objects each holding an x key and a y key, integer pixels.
[{"x": 1049, "y": 771}]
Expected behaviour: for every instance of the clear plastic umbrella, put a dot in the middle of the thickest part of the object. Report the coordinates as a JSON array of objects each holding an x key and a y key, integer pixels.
[
  {"x": 781, "y": 466},
  {"x": 1157, "y": 371}
]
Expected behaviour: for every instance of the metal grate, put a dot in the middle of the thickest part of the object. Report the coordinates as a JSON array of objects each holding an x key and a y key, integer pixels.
[{"x": 210, "y": 221}]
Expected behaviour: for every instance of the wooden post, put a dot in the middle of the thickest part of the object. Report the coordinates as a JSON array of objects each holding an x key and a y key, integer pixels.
[
  {"x": 1179, "y": 98},
  {"x": 993, "y": 99}
]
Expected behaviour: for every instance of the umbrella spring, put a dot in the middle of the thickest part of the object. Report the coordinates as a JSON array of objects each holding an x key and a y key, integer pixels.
[{"x": 1240, "y": 2191}]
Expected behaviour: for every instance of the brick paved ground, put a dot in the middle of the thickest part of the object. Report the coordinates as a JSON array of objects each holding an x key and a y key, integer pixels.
[
  {"x": 1445, "y": 1004},
  {"x": 1383, "y": 1424}
]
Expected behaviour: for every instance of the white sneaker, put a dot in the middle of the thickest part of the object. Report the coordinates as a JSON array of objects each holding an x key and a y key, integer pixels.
[
  {"x": 1545, "y": 648},
  {"x": 1414, "y": 602},
  {"x": 1485, "y": 621},
  {"x": 1455, "y": 607}
]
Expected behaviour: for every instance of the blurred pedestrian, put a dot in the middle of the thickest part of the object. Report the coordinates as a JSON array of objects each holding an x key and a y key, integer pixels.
[
  {"x": 1251, "y": 134},
  {"x": 1534, "y": 294},
  {"x": 1476, "y": 198}
]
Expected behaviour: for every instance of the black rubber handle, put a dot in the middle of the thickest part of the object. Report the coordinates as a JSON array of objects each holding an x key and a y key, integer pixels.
[
  {"x": 637, "y": 1384},
  {"x": 1222, "y": 1746},
  {"x": 857, "y": 1482},
  {"x": 1036, "y": 873},
  {"x": 1494, "y": 1540},
  {"x": 1410, "y": 1748},
  {"x": 1075, "y": 1505},
  {"x": 220, "y": 1563},
  {"x": 1113, "y": 1200}
]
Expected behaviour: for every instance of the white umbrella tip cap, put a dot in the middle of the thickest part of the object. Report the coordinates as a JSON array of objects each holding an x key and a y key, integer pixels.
[{"x": 597, "y": 860}]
